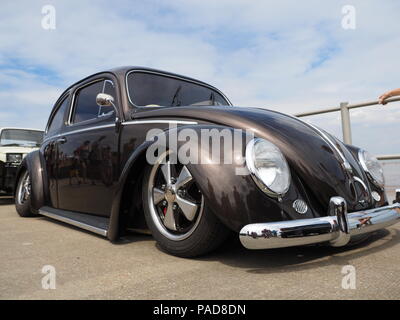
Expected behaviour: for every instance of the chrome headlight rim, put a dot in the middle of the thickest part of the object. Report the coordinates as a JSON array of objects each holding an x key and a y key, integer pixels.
[
  {"x": 250, "y": 163},
  {"x": 363, "y": 161}
]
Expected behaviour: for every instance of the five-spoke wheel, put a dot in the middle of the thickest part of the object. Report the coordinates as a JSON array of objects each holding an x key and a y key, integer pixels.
[
  {"x": 176, "y": 203},
  {"x": 175, "y": 210}
]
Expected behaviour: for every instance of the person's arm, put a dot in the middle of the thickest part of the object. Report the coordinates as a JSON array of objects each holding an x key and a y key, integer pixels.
[{"x": 391, "y": 93}]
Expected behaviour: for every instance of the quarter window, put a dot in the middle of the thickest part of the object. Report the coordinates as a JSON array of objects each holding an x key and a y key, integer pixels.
[
  {"x": 86, "y": 107},
  {"x": 58, "y": 118}
]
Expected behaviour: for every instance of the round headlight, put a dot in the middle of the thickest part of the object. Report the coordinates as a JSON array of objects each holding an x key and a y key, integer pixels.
[
  {"x": 372, "y": 167},
  {"x": 268, "y": 166}
]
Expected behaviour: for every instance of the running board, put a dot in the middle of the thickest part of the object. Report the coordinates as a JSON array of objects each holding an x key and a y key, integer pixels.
[{"x": 87, "y": 222}]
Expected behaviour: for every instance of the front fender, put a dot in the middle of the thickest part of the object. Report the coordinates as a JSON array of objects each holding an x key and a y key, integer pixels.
[
  {"x": 230, "y": 191},
  {"x": 228, "y": 188}
]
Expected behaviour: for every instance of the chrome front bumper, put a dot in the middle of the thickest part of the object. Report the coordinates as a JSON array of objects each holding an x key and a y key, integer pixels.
[{"x": 337, "y": 228}]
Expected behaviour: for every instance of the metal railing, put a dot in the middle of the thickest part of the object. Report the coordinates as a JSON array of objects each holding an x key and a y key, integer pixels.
[{"x": 344, "y": 109}]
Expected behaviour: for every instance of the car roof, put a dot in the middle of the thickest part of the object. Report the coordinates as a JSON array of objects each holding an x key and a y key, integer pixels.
[
  {"x": 120, "y": 72},
  {"x": 124, "y": 69}
]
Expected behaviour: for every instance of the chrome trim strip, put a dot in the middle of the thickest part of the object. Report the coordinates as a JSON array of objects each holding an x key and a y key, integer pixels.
[
  {"x": 366, "y": 189},
  {"x": 158, "y": 121},
  {"x": 362, "y": 183},
  {"x": 170, "y": 76},
  {"x": 337, "y": 227},
  {"x": 79, "y": 130},
  {"x": 75, "y": 223},
  {"x": 113, "y": 125},
  {"x": 345, "y": 163},
  {"x": 333, "y": 145},
  {"x": 51, "y": 138}
]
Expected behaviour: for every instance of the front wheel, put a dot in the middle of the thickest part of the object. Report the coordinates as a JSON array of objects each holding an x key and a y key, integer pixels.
[
  {"x": 23, "y": 195},
  {"x": 176, "y": 212}
]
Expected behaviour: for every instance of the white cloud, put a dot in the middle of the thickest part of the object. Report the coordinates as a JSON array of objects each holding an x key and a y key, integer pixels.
[{"x": 283, "y": 55}]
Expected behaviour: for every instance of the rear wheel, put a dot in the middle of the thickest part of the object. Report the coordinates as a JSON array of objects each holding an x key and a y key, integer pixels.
[
  {"x": 23, "y": 195},
  {"x": 176, "y": 212}
]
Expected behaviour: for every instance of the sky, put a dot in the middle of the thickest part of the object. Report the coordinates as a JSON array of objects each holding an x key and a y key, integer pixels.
[{"x": 290, "y": 56}]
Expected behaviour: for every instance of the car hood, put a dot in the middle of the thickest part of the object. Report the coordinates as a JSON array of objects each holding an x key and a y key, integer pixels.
[{"x": 310, "y": 152}]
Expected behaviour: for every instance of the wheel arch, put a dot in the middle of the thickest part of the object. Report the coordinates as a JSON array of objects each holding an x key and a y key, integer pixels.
[{"x": 130, "y": 179}]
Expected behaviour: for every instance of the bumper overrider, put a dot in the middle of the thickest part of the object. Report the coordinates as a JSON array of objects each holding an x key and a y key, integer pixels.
[{"x": 337, "y": 228}]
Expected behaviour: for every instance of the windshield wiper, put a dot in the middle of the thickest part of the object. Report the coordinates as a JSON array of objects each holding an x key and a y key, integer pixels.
[
  {"x": 212, "y": 98},
  {"x": 178, "y": 103}
]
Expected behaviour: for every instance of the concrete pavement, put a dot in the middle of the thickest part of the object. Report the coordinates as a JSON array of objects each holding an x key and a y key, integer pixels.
[{"x": 90, "y": 267}]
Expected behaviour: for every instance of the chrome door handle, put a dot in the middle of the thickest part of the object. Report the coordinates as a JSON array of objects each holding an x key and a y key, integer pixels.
[{"x": 62, "y": 140}]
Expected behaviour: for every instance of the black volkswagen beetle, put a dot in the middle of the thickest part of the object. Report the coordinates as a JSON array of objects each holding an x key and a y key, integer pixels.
[{"x": 287, "y": 184}]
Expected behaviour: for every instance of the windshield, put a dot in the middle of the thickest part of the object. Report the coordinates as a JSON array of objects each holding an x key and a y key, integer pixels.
[
  {"x": 19, "y": 137},
  {"x": 152, "y": 90}
]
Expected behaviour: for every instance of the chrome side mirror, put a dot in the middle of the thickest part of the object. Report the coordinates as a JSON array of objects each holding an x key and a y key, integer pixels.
[{"x": 105, "y": 100}]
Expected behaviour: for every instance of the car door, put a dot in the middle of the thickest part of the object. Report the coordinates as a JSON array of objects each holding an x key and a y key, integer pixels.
[
  {"x": 88, "y": 152},
  {"x": 49, "y": 147}
]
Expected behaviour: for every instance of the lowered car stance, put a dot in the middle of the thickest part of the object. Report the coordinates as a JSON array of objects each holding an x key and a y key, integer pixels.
[
  {"x": 15, "y": 144},
  {"x": 115, "y": 158}
]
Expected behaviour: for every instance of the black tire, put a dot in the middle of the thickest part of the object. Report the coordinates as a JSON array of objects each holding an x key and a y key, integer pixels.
[
  {"x": 207, "y": 235},
  {"x": 23, "y": 206}
]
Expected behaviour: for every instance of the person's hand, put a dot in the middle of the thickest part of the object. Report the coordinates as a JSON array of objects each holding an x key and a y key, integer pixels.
[{"x": 382, "y": 98}]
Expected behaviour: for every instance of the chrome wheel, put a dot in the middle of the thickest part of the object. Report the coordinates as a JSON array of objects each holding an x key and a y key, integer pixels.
[
  {"x": 24, "y": 188},
  {"x": 176, "y": 203}
]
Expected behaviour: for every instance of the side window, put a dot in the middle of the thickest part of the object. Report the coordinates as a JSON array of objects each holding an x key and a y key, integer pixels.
[
  {"x": 58, "y": 118},
  {"x": 86, "y": 107}
]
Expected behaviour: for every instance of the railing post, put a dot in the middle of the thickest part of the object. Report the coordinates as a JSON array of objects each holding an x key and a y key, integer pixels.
[{"x": 346, "y": 126}]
